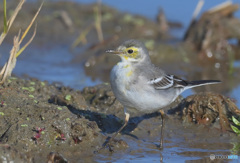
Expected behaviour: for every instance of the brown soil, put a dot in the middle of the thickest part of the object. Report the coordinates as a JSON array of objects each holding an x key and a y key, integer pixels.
[{"x": 38, "y": 118}]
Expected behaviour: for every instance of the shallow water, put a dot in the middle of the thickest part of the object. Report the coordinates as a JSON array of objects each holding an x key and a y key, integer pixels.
[
  {"x": 181, "y": 144},
  {"x": 52, "y": 63}
]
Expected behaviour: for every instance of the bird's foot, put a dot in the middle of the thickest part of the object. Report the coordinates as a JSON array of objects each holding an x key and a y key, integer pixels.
[{"x": 106, "y": 144}]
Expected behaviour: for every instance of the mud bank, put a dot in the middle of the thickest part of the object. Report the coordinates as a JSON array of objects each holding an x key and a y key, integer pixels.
[{"x": 38, "y": 118}]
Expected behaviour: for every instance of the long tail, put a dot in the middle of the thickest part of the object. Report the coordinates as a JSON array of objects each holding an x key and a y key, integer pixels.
[{"x": 198, "y": 83}]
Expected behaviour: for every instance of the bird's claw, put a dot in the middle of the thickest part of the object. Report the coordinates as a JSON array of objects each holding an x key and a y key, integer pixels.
[{"x": 108, "y": 145}]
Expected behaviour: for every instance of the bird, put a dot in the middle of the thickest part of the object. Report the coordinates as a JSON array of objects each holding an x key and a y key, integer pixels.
[{"x": 140, "y": 86}]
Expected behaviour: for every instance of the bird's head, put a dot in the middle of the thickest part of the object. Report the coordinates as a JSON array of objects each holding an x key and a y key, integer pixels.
[{"x": 132, "y": 51}]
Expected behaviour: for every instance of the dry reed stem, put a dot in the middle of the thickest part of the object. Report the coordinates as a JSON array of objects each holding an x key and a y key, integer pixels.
[
  {"x": 197, "y": 10},
  {"x": 9, "y": 66},
  {"x": 82, "y": 37},
  {"x": 98, "y": 21},
  {"x": 15, "y": 52},
  {"x": 30, "y": 25}
]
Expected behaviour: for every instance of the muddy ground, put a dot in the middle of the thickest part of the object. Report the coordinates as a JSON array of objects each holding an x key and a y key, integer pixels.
[
  {"x": 38, "y": 118},
  {"x": 41, "y": 121}
]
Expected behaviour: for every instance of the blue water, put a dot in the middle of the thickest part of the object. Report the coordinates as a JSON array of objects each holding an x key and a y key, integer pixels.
[{"x": 51, "y": 63}]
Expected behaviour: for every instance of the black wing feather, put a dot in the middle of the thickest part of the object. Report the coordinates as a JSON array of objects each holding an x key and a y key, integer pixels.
[{"x": 168, "y": 81}]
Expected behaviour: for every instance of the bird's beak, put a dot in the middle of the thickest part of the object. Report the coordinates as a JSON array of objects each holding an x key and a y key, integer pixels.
[{"x": 115, "y": 52}]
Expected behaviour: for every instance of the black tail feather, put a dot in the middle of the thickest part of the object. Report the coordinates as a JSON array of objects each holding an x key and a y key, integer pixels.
[{"x": 197, "y": 83}]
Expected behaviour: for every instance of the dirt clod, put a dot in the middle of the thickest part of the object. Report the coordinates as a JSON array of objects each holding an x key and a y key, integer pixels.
[{"x": 208, "y": 109}]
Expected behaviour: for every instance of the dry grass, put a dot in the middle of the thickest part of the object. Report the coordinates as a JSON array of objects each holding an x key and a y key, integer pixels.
[
  {"x": 97, "y": 24},
  {"x": 17, "y": 40}
]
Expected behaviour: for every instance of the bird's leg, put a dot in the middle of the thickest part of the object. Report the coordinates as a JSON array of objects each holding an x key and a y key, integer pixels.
[
  {"x": 161, "y": 139},
  {"x": 127, "y": 115}
]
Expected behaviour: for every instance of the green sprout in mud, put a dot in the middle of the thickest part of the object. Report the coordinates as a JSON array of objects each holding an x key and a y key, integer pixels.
[
  {"x": 237, "y": 123},
  {"x": 31, "y": 96},
  {"x": 24, "y": 88},
  {"x": 59, "y": 108},
  {"x": 30, "y": 89},
  {"x": 32, "y": 83},
  {"x": 68, "y": 97},
  {"x": 42, "y": 84},
  {"x": 130, "y": 19}
]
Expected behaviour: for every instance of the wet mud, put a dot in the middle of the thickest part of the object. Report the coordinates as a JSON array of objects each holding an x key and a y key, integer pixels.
[
  {"x": 34, "y": 123},
  {"x": 41, "y": 121}
]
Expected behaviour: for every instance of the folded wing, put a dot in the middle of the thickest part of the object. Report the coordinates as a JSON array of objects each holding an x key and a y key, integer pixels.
[{"x": 167, "y": 81}]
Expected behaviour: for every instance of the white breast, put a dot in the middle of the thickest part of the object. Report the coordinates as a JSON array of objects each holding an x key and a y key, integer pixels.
[{"x": 135, "y": 91}]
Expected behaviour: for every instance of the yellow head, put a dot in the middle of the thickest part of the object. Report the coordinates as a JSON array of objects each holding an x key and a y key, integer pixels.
[{"x": 132, "y": 51}]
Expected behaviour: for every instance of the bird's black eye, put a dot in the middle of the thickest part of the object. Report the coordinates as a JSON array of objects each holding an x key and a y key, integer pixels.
[{"x": 130, "y": 51}]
